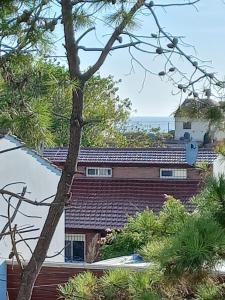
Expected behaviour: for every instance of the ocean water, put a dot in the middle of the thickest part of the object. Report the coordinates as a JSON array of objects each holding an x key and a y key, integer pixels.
[{"x": 147, "y": 123}]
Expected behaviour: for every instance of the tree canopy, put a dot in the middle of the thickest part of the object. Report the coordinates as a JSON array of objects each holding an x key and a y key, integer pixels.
[{"x": 35, "y": 105}]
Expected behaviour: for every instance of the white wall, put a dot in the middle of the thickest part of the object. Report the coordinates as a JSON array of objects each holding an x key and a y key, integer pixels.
[
  {"x": 41, "y": 179},
  {"x": 197, "y": 131},
  {"x": 219, "y": 166}
]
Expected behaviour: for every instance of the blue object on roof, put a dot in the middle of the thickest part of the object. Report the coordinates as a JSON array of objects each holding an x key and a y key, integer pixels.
[
  {"x": 3, "y": 280},
  {"x": 191, "y": 153}
]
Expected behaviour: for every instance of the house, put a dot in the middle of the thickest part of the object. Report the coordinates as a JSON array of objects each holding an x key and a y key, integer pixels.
[
  {"x": 25, "y": 171},
  {"x": 191, "y": 122},
  {"x": 112, "y": 184}
]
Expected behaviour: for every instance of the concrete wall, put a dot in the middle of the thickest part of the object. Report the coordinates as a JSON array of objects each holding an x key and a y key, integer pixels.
[
  {"x": 41, "y": 179},
  {"x": 219, "y": 166},
  {"x": 197, "y": 131}
]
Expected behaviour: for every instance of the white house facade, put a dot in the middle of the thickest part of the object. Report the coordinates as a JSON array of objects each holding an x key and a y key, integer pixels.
[
  {"x": 21, "y": 168},
  {"x": 191, "y": 123},
  {"x": 219, "y": 166},
  {"x": 195, "y": 129}
]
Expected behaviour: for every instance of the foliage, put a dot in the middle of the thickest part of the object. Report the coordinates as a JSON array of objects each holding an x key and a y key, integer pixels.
[
  {"x": 82, "y": 286},
  {"x": 210, "y": 290},
  {"x": 105, "y": 114},
  {"x": 115, "y": 283},
  {"x": 22, "y": 26},
  {"x": 142, "y": 286},
  {"x": 143, "y": 138},
  {"x": 195, "y": 248},
  {"x": 37, "y": 93},
  {"x": 25, "y": 102},
  {"x": 145, "y": 227},
  {"x": 211, "y": 200},
  {"x": 220, "y": 148},
  {"x": 121, "y": 284}
]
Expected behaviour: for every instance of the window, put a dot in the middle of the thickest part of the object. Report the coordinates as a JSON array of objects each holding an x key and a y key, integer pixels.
[
  {"x": 186, "y": 125},
  {"x": 99, "y": 172},
  {"x": 173, "y": 173},
  {"x": 75, "y": 248}
]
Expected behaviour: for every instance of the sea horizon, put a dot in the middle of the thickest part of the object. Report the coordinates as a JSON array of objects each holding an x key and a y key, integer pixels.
[{"x": 165, "y": 124}]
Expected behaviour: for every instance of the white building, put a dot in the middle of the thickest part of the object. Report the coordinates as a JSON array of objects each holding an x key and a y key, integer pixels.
[
  {"x": 195, "y": 127},
  {"x": 21, "y": 168}
]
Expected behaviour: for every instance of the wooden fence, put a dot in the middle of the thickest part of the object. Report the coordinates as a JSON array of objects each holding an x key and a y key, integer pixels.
[{"x": 50, "y": 276}]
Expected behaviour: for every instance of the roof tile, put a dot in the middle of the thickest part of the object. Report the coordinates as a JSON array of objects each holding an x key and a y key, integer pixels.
[
  {"x": 125, "y": 155},
  {"x": 103, "y": 203}
]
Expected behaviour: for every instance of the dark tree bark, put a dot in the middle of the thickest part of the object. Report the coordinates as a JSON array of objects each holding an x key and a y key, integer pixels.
[{"x": 63, "y": 191}]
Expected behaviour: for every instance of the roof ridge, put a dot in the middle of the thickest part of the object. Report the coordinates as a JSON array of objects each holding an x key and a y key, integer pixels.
[{"x": 125, "y": 148}]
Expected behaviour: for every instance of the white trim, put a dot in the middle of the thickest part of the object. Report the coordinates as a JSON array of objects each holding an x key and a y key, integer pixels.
[
  {"x": 87, "y": 266},
  {"x": 176, "y": 173},
  {"x": 99, "y": 172}
]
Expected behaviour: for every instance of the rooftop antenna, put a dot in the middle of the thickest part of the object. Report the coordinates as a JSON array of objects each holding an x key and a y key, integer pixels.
[{"x": 191, "y": 153}]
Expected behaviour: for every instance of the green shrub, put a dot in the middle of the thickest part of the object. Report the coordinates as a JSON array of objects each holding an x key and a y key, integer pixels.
[
  {"x": 209, "y": 291},
  {"x": 82, "y": 286},
  {"x": 195, "y": 248},
  {"x": 114, "y": 284}
]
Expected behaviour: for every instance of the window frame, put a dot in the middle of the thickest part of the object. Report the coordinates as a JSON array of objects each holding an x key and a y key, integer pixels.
[
  {"x": 187, "y": 125},
  {"x": 175, "y": 173},
  {"x": 98, "y": 172},
  {"x": 73, "y": 237}
]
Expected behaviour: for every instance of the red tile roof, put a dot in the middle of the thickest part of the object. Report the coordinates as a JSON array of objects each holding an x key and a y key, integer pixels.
[
  {"x": 130, "y": 156},
  {"x": 106, "y": 203}
]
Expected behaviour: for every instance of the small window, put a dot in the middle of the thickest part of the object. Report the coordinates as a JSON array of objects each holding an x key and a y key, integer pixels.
[
  {"x": 166, "y": 173},
  {"x": 75, "y": 248},
  {"x": 99, "y": 172},
  {"x": 186, "y": 125},
  {"x": 173, "y": 173}
]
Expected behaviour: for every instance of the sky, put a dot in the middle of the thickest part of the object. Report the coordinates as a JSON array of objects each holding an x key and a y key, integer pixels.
[{"x": 203, "y": 28}]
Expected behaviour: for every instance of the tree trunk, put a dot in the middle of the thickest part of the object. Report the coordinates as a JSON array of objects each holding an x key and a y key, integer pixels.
[
  {"x": 62, "y": 196},
  {"x": 32, "y": 269}
]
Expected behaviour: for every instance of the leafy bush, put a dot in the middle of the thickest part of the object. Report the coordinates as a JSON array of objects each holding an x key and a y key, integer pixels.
[
  {"x": 211, "y": 201},
  {"x": 82, "y": 286},
  {"x": 114, "y": 284},
  {"x": 143, "y": 285},
  {"x": 210, "y": 290},
  {"x": 196, "y": 248}
]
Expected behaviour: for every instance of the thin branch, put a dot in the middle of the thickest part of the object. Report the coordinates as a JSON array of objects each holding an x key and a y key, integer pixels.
[
  {"x": 12, "y": 236},
  {"x": 177, "y": 4},
  {"x": 14, "y": 213},
  {"x": 85, "y": 33},
  {"x": 118, "y": 30},
  {"x": 9, "y": 193},
  {"x": 113, "y": 48},
  {"x": 181, "y": 52}
]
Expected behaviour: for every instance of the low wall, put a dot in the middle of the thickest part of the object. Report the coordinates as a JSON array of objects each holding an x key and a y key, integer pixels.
[{"x": 50, "y": 276}]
